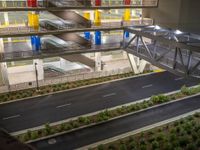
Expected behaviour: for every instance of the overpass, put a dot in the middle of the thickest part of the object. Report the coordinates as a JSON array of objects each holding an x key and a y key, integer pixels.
[{"x": 172, "y": 50}]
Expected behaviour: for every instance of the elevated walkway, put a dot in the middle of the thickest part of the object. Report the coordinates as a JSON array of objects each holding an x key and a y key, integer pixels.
[{"x": 172, "y": 50}]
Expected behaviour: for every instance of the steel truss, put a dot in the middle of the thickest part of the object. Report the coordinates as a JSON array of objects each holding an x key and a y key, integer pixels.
[{"x": 171, "y": 50}]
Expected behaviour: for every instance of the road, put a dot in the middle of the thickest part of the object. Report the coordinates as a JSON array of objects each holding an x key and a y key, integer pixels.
[
  {"x": 34, "y": 112},
  {"x": 113, "y": 128}
]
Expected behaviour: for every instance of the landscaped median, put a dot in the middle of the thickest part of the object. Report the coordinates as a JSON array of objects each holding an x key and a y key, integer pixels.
[
  {"x": 183, "y": 134},
  {"x": 28, "y": 93},
  {"x": 107, "y": 115}
]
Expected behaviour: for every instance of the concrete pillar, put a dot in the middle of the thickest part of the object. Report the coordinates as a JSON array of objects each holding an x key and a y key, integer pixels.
[
  {"x": 137, "y": 64},
  {"x": 97, "y": 22},
  {"x": 98, "y": 61},
  {"x": 3, "y": 67},
  {"x": 6, "y": 19},
  {"x": 40, "y": 68}
]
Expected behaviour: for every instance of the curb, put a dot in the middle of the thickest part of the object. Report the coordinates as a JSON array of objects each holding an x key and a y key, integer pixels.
[
  {"x": 81, "y": 87},
  {"x": 94, "y": 124},
  {"x": 143, "y": 129}
]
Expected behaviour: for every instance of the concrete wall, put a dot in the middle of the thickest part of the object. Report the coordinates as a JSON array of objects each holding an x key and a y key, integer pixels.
[
  {"x": 190, "y": 16},
  {"x": 181, "y": 14}
]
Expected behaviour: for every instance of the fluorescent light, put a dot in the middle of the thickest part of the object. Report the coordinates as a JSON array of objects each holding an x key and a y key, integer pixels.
[
  {"x": 178, "y": 32},
  {"x": 157, "y": 27}
]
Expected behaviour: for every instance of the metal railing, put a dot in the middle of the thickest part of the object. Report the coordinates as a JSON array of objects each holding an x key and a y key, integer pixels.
[
  {"x": 44, "y": 53},
  {"x": 22, "y": 31},
  {"x": 78, "y": 3}
]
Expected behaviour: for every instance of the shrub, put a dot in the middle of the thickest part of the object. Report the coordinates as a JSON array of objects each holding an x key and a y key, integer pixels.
[
  {"x": 100, "y": 147},
  {"x": 154, "y": 99},
  {"x": 167, "y": 146},
  {"x": 132, "y": 145},
  {"x": 160, "y": 137},
  {"x": 143, "y": 147},
  {"x": 191, "y": 146},
  {"x": 82, "y": 119},
  {"x": 185, "y": 90},
  {"x": 122, "y": 147},
  {"x": 155, "y": 145},
  {"x": 198, "y": 143},
  {"x": 34, "y": 135},
  {"x": 183, "y": 141},
  {"x": 28, "y": 133},
  {"x": 47, "y": 128},
  {"x": 75, "y": 124},
  {"x": 163, "y": 98}
]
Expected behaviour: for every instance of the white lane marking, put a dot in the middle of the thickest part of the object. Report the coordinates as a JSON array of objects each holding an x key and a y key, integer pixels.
[
  {"x": 61, "y": 106},
  {"x": 52, "y": 141},
  {"x": 11, "y": 117},
  {"x": 177, "y": 79},
  {"x": 108, "y": 95},
  {"x": 147, "y": 86}
]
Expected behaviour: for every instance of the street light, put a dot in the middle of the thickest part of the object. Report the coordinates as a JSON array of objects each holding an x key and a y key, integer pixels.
[{"x": 36, "y": 75}]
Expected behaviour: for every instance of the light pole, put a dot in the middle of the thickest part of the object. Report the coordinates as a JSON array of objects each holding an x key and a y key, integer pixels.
[{"x": 36, "y": 75}]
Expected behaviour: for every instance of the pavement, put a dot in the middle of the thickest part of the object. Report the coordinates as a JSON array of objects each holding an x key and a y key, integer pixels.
[
  {"x": 38, "y": 111},
  {"x": 113, "y": 128}
]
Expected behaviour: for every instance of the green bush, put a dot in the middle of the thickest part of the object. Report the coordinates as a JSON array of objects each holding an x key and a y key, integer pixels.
[
  {"x": 100, "y": 147},
  {"x": 122, "y": 147},
  {"x": 82, "y": 119},
  {"x": 185, "y": 90},
  {"x": 155, "y": 145},
  {"x": 183, "y": 141},
  {"x": 191, "y": 146},
  {"x": 34, "y": 135},
  {"x": 48, "y": 128},
  {"x": 155, "y": 99},
  {"x": 75, "y": 124}
]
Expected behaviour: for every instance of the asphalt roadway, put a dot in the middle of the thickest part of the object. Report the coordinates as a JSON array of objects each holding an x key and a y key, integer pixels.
[
  {"x": 113, "y": 128},
  {"x": 34, "y": 112}
]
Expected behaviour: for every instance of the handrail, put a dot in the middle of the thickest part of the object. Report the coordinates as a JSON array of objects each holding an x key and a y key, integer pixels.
[
  {"x": 72, "y": 4},
  {"x": 27, "y": 31}
]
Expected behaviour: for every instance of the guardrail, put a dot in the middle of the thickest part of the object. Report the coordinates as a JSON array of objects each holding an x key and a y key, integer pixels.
[
  {"x": 22, "y": 31},
  {"x": 76, "y": 3},
  {"x": 44, "y": 53}
]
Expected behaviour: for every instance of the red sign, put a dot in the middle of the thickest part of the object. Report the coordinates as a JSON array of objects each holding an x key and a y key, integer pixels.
[
  {"x": 98, "y": 3},
  {"x": 127, "y": 2},
  {"x": 32, "y": 3}
]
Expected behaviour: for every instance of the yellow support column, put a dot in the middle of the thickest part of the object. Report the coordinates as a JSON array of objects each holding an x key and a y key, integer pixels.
[
  {"x": 127, "y": 15},
  {"x": 97, "y": 18},
  {"x": 86, "y": 33},
  {"x": 33, "y": 20}
]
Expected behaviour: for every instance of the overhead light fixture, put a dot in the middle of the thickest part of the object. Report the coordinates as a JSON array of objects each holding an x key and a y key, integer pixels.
[
  {"x": 178, "y": 32},
  {"x": 157, "y": 27}
]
